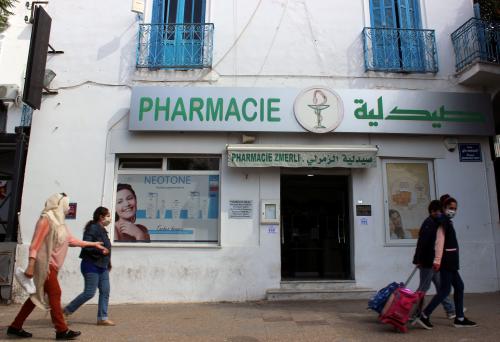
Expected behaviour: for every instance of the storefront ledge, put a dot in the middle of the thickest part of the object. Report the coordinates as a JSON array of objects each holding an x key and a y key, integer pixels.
[
  {"x": 165, "y": 245},
  {"x": 317, "y": 294},
  {"x": 166, "y": 76}
]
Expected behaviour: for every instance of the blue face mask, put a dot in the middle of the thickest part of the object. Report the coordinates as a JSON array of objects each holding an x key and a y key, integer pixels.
[{"x": 439, "y": 217}]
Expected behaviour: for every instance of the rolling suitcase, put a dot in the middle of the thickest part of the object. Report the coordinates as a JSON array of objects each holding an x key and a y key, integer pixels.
[
  {"x": 400, "y": 306},
  {"x": 377, "y": 302}
]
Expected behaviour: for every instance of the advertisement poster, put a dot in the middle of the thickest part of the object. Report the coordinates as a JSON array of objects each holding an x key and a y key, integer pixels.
[
  {"x": 408, "y": 195},
  {"x": 167, "y": 208}
]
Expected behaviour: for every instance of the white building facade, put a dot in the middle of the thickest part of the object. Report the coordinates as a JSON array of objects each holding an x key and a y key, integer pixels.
[{"x": 281, "y": 141}]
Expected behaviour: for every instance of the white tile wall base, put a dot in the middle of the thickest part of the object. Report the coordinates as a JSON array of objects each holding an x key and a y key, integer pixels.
[{"x": 328, "y": 294}]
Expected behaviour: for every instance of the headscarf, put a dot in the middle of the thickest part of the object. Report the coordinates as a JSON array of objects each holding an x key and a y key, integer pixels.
[{"x": 55, "y": 208}]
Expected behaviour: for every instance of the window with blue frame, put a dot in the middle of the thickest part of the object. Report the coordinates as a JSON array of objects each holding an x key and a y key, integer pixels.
[
  {"x": 398, "y": 42},
  {"x": 178, "y": 34}
]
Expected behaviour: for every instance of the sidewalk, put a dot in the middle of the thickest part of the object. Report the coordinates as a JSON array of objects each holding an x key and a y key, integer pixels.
[{"x": 342, "y": 321}]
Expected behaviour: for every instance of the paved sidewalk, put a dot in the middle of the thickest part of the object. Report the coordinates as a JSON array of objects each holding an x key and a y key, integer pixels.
[{"x": 342, "y": 321}]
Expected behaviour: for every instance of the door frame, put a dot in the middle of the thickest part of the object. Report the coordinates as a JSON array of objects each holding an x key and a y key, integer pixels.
[{"x": 325, "y": 172}]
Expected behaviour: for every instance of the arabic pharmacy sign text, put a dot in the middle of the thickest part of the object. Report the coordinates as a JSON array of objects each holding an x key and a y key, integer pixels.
[
  {"x": 301, "y": 159},
  {"x": 272, "y": 110},
  {"x": 470, "y": 152}
]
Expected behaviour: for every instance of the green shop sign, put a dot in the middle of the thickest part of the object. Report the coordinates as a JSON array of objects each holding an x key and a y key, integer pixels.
[
  {"x": 283, "y": 156},
  {"x": 313, "y": 109}
]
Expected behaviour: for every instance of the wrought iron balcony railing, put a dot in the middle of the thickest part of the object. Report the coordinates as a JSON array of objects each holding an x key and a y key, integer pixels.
[
  {"x": 476, "y": 41},
  {"x": 400, "y": 50},
  {"x": 175, "y": 46}
]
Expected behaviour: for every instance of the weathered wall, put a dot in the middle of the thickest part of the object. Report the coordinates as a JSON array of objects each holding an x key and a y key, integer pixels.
[{"x": 256, "y": 43}]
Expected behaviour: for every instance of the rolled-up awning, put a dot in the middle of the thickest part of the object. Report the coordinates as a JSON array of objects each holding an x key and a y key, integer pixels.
[{"x": 324, "y": 156}]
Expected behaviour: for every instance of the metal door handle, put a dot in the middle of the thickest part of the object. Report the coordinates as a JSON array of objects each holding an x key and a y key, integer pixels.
[
  {"x": 338, "y": 228},
  {"x": 343, "y": 228}
]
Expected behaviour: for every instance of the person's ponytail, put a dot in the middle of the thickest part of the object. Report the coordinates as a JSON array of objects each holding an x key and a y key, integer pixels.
[{"x": 98, "y": 213}]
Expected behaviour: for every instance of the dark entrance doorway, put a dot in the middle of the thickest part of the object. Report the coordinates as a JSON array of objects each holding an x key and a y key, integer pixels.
[{"x": 315, "y": 241}]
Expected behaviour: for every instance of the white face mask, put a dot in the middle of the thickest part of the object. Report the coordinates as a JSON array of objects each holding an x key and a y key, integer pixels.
[{"x": 450, "y": 213}]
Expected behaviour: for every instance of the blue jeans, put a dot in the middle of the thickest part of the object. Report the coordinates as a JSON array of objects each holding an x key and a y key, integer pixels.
[
  {"x": 425, "y": 284},
  {"x": 448, "y": 279},
  {"x": 92, "y": 282}
]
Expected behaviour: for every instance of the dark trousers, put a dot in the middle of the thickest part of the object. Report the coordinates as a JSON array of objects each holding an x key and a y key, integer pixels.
[
  {"x": 448, "y": 279},
  {"x": 53, "y": 291}
]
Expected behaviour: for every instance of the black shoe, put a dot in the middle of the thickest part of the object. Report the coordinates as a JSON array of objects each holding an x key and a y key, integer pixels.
[
  {"x": 465, "y": 323},
  {"x": 67, "y": 335},
  {"x": 18, "y": 332},
  {"x": 425, "y": 322}
]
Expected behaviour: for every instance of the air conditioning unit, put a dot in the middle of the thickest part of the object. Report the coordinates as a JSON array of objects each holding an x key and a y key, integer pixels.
[{"x": 9, "y": 92}]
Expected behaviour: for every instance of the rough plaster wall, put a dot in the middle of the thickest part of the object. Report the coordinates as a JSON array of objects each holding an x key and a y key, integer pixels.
[
  {"x": 473, "y": 223},
  {"x": 301, "y": 43}
]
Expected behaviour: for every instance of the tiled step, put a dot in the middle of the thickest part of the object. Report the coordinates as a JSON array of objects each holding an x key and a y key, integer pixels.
[{"x": 318, "y": 290}]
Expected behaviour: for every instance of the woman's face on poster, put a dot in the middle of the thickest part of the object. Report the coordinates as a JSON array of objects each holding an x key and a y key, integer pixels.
[
  {"x": 126, "y": 204},
  {"x": 396, "y": 219}
]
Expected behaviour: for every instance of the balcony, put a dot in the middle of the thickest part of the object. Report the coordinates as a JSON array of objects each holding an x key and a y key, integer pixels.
[
  {"x": 477, "y": 52},
  {"x": 175, "y": 46},
  {"x": 400, "y": 50}
]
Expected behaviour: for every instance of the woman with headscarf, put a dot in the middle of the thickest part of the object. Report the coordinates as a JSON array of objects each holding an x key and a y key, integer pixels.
[{"x": 46, "y": 256}]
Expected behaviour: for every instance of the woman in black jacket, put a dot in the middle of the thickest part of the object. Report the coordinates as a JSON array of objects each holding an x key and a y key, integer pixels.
[{"x": 95, "y": 267}]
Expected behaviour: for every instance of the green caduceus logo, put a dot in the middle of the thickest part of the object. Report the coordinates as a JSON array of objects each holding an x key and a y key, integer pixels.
[{"x": 319, "y": 104}]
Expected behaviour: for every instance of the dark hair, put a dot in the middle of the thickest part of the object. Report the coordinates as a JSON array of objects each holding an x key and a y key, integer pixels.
[
  {"x": 124, "y": 186},
  {"x": 98, "y": 213},
  {"x": 446, "y": 199},
  {"x": 435, "y": 205},
  {"x": 443, "y": 198},
  {"x": 393, "y": 211}
]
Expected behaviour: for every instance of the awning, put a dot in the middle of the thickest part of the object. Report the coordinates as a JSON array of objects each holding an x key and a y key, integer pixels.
[{"x": 324, "y": 156}]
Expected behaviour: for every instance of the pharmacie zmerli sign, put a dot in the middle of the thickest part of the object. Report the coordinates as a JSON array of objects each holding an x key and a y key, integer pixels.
[{"x": 314, "y": 109}]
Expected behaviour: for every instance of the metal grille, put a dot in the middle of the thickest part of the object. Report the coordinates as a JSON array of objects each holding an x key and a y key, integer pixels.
[
  {"x": 175, "y": 46},
  {"x": 400, "y": 50},
  {"x": 6, "y": 265},
  {"x": 476, "y": 41}
]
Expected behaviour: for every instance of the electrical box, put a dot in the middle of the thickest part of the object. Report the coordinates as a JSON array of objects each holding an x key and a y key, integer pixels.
[
  {"x": 269, "y": 212},
  {"x": 9, "y": 92},
  {"x": 138, "y": 6}
]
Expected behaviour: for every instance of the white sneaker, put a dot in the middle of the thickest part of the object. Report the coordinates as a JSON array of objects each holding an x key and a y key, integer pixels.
[{"x": 452, "y": 315}]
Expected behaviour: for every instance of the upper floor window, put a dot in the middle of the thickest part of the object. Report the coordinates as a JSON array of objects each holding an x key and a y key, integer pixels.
[
  {"x": 177, "y": 38},
  {"x": 396, "y": 40},
  {"x": 178, "y": 12},
  {"x": 403, "y": 14}
]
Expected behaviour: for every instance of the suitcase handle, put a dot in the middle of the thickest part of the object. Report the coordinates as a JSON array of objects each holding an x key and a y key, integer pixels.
[
  {"x": 411, "y": 276},
  {"x": 431, "y": 274}
]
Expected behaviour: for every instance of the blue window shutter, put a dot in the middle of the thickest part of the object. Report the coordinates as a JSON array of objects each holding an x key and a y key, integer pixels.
[
  {"x": 158, "y": 12},
  {"x": 176, "y": 40},
  {"x": 477, "y": 11},
  {"x": 376, "y": 15},
  {"x": 382, "y": 13},
  {"x": 409, "y": 14},
  {"x": 156, "y": 34},
  {"x": 411, "y": 39},
  {"x": 384, "y": 41}
]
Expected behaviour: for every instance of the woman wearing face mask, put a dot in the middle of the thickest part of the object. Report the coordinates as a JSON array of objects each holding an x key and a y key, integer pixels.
[
  {"x": 46, "y": 256},
  {"x": 95, "y": 267},
  {"x": 446, "y": 261}
]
